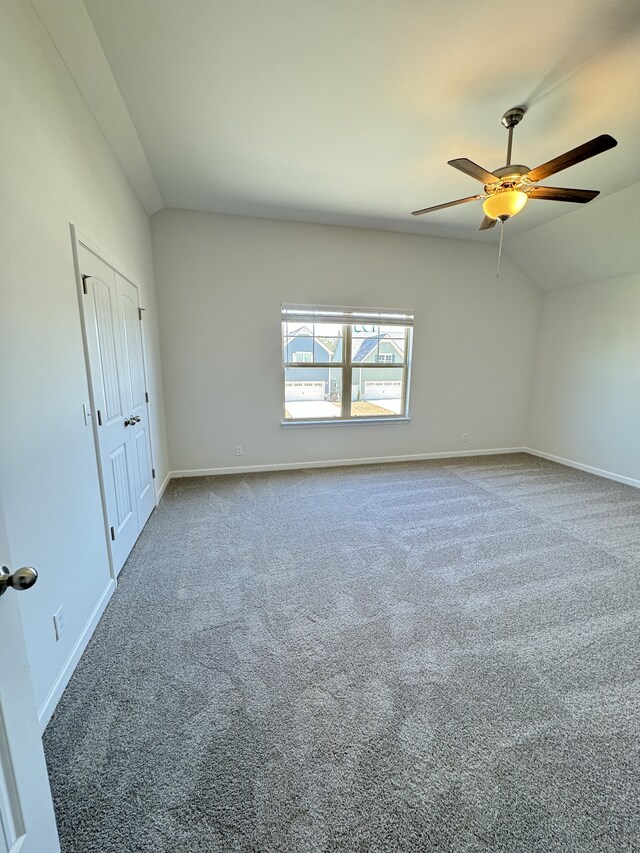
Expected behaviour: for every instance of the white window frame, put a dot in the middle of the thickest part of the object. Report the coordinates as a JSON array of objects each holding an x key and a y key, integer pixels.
[
  {"x": 347, "y": 318},
  {"x": 295, "y": 357},
  {"x": 385, "y": 358}
]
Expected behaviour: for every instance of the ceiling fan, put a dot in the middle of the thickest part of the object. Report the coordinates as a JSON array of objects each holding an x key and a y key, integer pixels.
[{"x": 507, "y": 189}]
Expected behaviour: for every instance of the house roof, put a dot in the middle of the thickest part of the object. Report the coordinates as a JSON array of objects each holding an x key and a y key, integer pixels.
[{"x": 369, "y": 344}]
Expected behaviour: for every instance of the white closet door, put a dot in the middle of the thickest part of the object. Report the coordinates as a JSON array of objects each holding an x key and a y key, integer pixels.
[
  {"x": 105, "y": 344},
  {"x": 135, "y": 391}
]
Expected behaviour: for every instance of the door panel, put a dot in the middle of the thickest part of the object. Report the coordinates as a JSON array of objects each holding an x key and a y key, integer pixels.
[
  {"x": 133, "y": 343},
  {"x": 142, "y": 457},
  {"x": 121, "y": 475},
  {"x": 104, "y": 297},
  {"x": 145, "y": 493}
]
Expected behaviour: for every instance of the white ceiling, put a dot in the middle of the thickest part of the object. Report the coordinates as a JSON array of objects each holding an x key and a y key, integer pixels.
[{"x": 346, "y": 111}]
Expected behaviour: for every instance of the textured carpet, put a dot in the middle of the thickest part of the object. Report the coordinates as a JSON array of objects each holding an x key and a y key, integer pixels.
[{"x": 438, "y": 656}]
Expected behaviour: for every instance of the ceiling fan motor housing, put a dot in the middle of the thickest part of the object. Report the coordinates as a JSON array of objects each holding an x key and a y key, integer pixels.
[
  {"x": 512, "y": 177},
  {"x": 515, "y": 169}
]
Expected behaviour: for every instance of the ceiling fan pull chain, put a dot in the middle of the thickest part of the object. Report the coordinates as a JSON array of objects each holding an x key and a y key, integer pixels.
[{"x": 500, "y": 249}]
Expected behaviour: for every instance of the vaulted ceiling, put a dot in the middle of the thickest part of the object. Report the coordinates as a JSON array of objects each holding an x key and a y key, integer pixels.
[{"x": 346, "y": 111}]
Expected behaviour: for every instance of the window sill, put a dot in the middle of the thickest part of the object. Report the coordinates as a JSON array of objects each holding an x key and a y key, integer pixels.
[{"x": 328, "y": 422}]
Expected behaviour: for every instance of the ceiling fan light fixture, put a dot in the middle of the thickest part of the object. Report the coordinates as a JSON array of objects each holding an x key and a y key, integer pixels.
[{"x": 505, "y": 203}]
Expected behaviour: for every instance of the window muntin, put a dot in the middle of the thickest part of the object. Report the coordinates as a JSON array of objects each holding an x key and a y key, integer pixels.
[{"x": 377, "y": 369}]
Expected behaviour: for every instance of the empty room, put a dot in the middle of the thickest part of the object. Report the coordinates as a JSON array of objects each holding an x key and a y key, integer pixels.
[{"x": 319, "y": 470}]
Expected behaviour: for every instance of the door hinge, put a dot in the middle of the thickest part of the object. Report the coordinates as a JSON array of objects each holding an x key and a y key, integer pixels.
[
  {"x": 153, "y": 473},
  {"x": 84, "y": 284},
  {"x": 140, "y": 310},
  {"x": 146, "y": 396},
  {"x": 113, "y": 534},
  {"x": 99, "y": 414}
]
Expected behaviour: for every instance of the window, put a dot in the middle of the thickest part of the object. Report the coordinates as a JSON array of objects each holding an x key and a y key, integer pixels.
[{"x": 356, "y": 364}]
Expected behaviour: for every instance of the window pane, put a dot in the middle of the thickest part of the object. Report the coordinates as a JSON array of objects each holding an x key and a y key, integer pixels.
[
  {"x": 394, "y": 347},
  {"x": 328, "y": 341},
  {"x": 328, "y": 349},
  {"x": 364, "y": 343},
  {"x": 377, "y": 344},
  {"x": 376, "y": 392},
  {"x": 323, "y": 342},
  {"x": 312, "y": 392},
  {"x": 296, "y": 339}
]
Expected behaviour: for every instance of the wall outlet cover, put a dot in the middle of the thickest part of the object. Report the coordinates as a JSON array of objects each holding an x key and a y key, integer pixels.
[{"x": 58, "y": 622}]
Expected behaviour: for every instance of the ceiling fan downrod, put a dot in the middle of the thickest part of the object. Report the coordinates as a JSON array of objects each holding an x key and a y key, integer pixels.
[{"x": 511, "y": 119}]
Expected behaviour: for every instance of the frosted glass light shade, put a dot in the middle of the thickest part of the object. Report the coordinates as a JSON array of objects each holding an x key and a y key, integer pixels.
[{"x": 506, "y": 203}]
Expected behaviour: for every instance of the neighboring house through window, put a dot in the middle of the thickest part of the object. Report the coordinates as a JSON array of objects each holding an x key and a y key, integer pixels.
[{"x": 366, "y": 350}]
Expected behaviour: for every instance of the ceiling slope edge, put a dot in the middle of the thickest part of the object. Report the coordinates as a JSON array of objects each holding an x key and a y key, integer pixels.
[
  {"x": 598, "y": 242},
  {"x": 71, "y": 30}
]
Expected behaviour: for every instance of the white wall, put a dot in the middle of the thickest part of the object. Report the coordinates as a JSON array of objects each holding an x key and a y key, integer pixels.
[
  {"x": 592, "y": 242},
  {"x": 221, "y": 281},
  {"x": 586, "y": 400},
  {"x": 56, "y": 168}
]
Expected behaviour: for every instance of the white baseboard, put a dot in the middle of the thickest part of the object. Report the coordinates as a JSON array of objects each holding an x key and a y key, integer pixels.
[
  {"x": 619, "y": 478},
  {"x": 53, "y": 697},
  {"x": 333, "y": 463},
  {"x": 162, "y": 488}
]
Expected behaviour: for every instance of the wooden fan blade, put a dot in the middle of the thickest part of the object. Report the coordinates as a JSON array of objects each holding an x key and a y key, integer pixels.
[
  {"x": 560, "y": 194},
  {"x": 487, "y": 222},
  {"x": 576, "y": 155},
  {"x": 448, "y": 204},
  {"x": 471, "y": 168}
]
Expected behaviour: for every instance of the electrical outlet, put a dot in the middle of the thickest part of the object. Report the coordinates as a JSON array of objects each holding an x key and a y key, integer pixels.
[
  {"x": 464, "y": 437},
  {"x": 239, "y": 450},
  {"x": 58, "y": 622}
]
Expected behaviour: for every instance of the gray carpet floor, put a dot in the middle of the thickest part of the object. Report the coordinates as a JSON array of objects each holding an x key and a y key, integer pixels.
[{"x": 438, "y": 656}]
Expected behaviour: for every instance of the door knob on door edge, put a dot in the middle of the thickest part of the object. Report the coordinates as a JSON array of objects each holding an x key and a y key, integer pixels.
[{"x": 23, "y": 578}]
